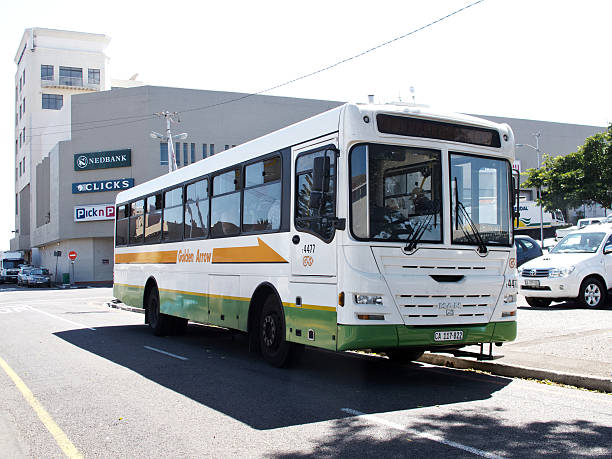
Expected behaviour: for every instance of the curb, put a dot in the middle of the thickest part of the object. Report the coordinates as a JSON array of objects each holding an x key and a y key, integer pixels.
[{"x": 516, "y": 371}]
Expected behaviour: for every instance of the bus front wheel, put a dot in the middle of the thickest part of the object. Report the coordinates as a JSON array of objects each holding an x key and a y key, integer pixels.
[
  {"x": 159, "y": 323},
  {"x": 274, "y": 347}
]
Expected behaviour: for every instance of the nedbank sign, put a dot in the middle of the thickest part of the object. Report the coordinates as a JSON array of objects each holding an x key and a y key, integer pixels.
[{"x": 102, "y": 160}]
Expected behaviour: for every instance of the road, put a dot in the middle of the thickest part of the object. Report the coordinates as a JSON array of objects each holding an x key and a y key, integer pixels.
[{"x": 108, "y": 388}]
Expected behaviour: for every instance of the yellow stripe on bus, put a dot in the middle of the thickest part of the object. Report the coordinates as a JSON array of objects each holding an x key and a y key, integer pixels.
[{"x": 166, "y": 256}]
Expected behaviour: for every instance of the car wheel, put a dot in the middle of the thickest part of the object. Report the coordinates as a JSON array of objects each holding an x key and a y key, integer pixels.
[
  {"x": 592, "y": 293},
  {"x": 404, "y": 355},
  {"x": 538, "y": 302},
  {"x": 160, "y": 324},
  {"x": 275, "y": 349}
]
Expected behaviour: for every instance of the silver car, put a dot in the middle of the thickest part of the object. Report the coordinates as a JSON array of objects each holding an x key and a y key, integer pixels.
[{"x": 38, "y": 276}]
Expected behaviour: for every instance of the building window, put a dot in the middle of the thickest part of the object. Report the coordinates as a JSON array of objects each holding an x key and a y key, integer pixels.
[
  {"x": 16, "y": 119},
  {"x": 20, "y": 111},
  {"x": 163, "y": 153},
  {"x": 46, "y": 72},
  {"x": 19, "y": 168},
  {"x": 227, "y": 147},
  {"x": 23, "y": 105},
  {"x": 177, "y": 153},
  {"x": 24, "y": 136},
  {"x": 70, "y": 76},
  {"x": 23, "y": 76},
  {"x": 192, "y": 153},
  {"x": 24, "y": 164},
  {"x": 20, "y": 84},
  {"x": 19, "y": 139},
  {"x": 16, "y": 147},
  {"x": 203, "y": 150},
  {"x": 93, "y": 76},
  {"x": 185, "y": 153},
  {"x": 212, "y": 149},
  {"x": 52, "y": 101},
  {"x": 16, "y": 204}
]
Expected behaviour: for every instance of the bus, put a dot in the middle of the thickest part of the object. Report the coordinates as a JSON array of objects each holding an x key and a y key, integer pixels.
[{"x": 380, "y": 227}]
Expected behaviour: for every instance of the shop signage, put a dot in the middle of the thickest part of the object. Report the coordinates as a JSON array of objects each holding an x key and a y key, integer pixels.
[
  {"x": 103, "y": 185},
  {"x": 94, "y": 212},
  {"x": 102, "y": 160}
]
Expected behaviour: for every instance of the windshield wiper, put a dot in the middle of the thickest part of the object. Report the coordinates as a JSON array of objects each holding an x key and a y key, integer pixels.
[
  {"x": 482, "y": 247},
  {"x": 419, "y": 230}
]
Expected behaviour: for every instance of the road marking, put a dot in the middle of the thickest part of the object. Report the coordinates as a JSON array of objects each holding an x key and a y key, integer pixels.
[
  {"x": 58, "y": 434},
  {"x": 166, "y": 353},
  {"x": 428, "y": 436},
  {"x": 61, "y": 318},
  {"x": 11, "y": 309}
]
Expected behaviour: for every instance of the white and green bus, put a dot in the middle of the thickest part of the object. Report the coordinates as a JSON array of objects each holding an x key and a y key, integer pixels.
[{"x": 382, "y": 227}]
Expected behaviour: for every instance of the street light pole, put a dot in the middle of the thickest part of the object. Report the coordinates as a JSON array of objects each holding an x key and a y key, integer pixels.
[{"x": 537, "y": 149}]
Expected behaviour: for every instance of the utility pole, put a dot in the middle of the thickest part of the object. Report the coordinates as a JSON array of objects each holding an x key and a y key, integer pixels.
[
  {"x": 537, "y": 150},
  {"x": 171, "y": 117}
]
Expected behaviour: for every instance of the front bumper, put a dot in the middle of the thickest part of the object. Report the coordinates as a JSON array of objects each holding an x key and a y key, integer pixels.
[
  {"x": 550, "y": 287},
  {"x": 390, "y": 336}
]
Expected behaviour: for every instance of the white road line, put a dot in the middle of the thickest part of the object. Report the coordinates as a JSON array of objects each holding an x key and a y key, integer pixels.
[
  {"x": 61, "y": 318},
  {"x": 166, "y": 353},
  {"x": 393, "y": 425}
]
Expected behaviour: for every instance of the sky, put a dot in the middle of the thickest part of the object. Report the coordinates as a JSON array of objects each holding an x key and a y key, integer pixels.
[{"x": 533, "y": 59}]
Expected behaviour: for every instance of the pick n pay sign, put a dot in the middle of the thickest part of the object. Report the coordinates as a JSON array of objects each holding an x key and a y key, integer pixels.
[{"x": 94, "y": 212}]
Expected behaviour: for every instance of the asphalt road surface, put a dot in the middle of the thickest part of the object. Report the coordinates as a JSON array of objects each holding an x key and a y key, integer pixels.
[{"x": 79, "y": 378}]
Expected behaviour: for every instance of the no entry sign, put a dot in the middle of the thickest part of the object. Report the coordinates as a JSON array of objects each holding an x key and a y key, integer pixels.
[{"x": 72, "y": 255}]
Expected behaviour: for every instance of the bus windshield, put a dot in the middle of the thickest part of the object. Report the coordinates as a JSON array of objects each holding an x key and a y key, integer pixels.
[
  {"x": 479, "y": 199},
  {"x": 395, "y": 193}
]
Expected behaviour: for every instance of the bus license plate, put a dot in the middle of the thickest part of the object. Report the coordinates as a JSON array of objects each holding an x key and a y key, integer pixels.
[
  {"x": 532, "y": 283},
  {"x": 448, "y": 335}
]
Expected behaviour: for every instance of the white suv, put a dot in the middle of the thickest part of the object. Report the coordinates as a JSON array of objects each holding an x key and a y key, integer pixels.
[{"x": 579, "y": 267}]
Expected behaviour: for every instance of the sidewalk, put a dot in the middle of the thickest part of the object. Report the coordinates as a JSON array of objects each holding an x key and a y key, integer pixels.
[{"x": 561, "y": 343}]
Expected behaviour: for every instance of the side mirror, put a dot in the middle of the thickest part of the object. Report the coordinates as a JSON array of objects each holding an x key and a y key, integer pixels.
[
  {"x": 607, "y": 249},
  {"x": 320, "y": 174}
]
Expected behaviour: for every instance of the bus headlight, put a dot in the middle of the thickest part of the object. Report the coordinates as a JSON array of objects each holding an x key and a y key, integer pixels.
[{"x": 368, "y": 299}]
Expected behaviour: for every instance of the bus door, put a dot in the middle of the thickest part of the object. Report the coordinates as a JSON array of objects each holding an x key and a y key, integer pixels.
[{"x": 313, "y": 242}]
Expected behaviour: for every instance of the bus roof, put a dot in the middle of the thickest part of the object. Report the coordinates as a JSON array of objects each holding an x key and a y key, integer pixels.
[{"x": 322, "y": 124}]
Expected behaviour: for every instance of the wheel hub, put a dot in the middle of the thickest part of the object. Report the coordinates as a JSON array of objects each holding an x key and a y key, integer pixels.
[
  {"x": 592, "y": 294},
  {"x": 269, "y": 331}
]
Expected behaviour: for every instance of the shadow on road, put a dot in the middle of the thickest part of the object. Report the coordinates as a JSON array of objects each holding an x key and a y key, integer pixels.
[
  {"x": 223, "y": 375},
  {"x": 349, "y": 438}
]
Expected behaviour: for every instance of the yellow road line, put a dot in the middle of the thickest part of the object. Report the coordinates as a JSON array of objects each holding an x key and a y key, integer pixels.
[{"x": 58, "y": 434}]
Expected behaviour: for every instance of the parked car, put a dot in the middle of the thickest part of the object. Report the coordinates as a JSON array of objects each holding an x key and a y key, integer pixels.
[
  {"x": 526, "y": 249},
  {"x": 579, "y": 267},
  {"x": 38, "y": 276},
  {"x": 560, "y": 233},
  {"x": 23, "y": 273}
]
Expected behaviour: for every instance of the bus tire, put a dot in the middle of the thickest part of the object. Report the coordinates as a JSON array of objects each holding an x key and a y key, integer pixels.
[
  {"x": 274, "y": 347},
  {"x": 160, "y": 324},
  {"x": 400, "y": 355}
]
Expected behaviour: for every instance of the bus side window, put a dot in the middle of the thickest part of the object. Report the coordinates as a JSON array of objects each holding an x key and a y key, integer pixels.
[
  {"x": 315, "y": 215},
  {"x": 172, "y": 226},
  {"x": 196, "y": 210},
  {"x": 262, "y": 196},
  {"x": 153, "y": 219},
  {"x": 121, "y": 235},
  {"x": 137, "y": 222},
  {"x": 225, "y": 204}
]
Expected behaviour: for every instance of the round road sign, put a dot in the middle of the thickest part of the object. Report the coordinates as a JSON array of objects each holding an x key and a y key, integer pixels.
[{"x": 72, "y": 255}]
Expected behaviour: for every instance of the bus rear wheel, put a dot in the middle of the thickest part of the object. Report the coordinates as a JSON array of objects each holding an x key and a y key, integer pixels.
[
  {"x": 159, "y": 323},
  {"x": 274, "y": 347}
]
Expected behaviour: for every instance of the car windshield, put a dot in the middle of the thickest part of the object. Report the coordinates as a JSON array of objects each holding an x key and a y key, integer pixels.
[
  {"x": 579, "y": 243},
  {"x": 40, "y": 272},
  {"x": 12, "y": 264}
]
